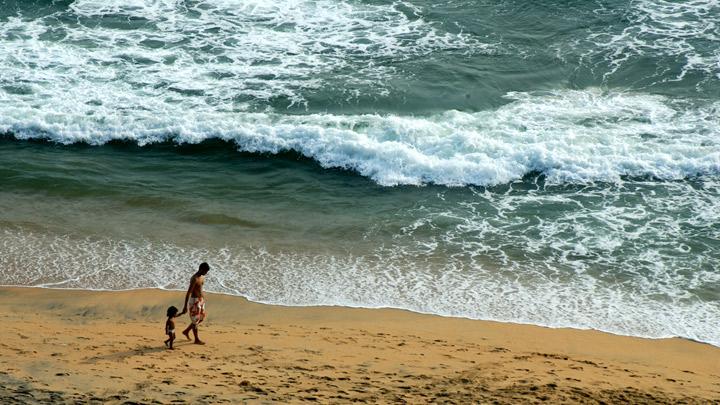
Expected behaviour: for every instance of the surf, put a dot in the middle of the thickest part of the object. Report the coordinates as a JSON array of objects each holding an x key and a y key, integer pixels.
[{"x": 570, "y": 136}]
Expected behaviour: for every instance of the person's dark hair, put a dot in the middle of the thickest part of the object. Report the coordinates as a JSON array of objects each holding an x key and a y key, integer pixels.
[
  {"x": 204, "y": 267},
  {"x": 172, "y": 311}
]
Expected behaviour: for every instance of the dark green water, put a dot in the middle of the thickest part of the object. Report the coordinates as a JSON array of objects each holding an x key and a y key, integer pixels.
[{"x": 554, "y": 163}]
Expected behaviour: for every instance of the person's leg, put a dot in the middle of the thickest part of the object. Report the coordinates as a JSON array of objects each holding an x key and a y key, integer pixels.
[
  {"x": 195, "y": 333},
  {"x": 186, "y": 332}
]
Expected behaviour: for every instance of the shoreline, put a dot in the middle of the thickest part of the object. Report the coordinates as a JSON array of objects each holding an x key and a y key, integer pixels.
[
  {"x": 412, "y": 311},
  {"x": 107, "y": 345}
]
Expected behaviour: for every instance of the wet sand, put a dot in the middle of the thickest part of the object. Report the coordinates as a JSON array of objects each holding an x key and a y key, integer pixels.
[{"x": 68, "y": 346}]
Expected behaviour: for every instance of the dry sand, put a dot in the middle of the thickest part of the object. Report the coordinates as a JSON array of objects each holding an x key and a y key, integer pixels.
[{"x": 79, "y": 346}]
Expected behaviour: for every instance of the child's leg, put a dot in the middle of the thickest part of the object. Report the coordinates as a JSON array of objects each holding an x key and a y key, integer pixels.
[{"x": 171, "y": 340}]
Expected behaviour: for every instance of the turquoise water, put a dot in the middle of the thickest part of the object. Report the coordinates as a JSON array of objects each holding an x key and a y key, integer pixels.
[{"x": 555, "y": 164}]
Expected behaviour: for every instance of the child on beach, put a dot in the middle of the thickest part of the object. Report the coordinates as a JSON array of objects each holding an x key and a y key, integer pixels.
[{"x": 172, "y": 312}]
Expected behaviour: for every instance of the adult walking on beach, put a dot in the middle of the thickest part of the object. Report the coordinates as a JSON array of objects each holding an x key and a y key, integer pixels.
[{"x": 196, "y": 301}]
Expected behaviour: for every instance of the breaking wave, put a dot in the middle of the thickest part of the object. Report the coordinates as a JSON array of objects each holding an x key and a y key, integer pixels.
[{"x": 573, "y": 136}]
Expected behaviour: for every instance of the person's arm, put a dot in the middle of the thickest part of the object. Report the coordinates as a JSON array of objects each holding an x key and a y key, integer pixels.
[{"x": 187, "y": 295}]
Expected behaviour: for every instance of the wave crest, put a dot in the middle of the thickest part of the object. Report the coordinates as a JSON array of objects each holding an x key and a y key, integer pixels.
[{"x": 569, "y": 136}]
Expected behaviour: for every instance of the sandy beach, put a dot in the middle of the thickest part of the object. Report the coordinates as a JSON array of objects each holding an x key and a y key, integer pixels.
[{"x": 68, "y": 346}]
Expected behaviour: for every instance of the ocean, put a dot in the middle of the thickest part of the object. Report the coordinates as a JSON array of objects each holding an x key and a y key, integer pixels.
[{"x": 552, "y": 163}]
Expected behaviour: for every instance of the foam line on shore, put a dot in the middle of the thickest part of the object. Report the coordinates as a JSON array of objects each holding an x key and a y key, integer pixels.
[{"x": 582, "y": 301}]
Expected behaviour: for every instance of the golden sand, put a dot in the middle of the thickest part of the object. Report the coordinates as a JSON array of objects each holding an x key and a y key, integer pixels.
[{"x": 68, "y": 346}]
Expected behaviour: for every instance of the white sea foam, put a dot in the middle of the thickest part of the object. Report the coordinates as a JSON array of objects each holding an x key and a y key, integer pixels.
[
  {"x": 688, "y": 31},
  {"x": 391, "y": 279},
  {"x": 220, "y": 54},
  {"x": 570, "y": 136}
]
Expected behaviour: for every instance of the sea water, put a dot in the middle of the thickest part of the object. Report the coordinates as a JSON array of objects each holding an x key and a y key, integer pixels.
[{"x": 553, "y": 163}]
